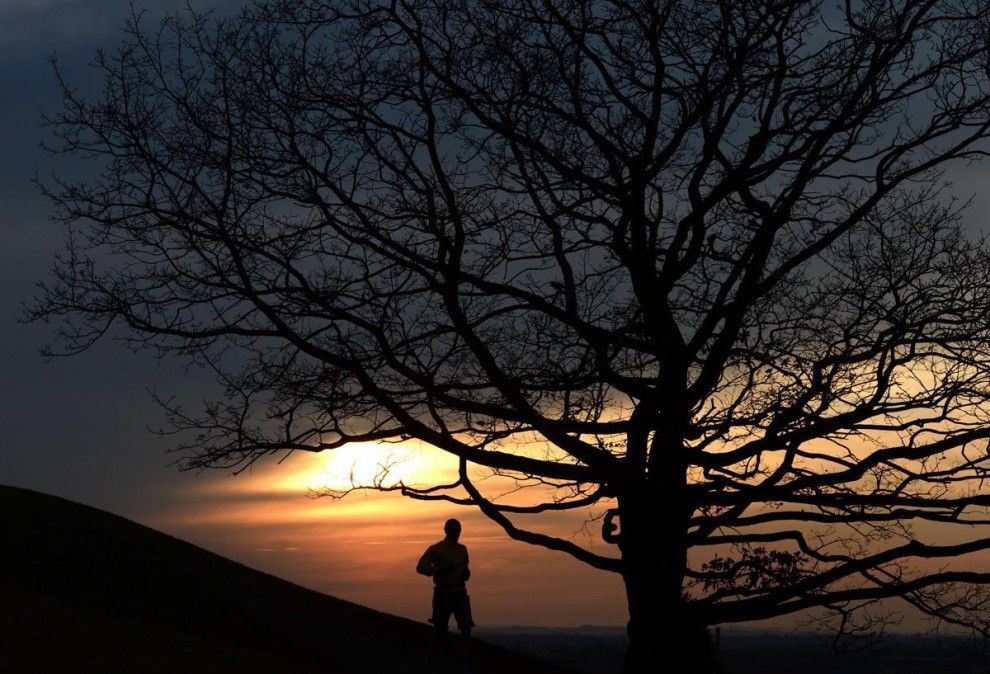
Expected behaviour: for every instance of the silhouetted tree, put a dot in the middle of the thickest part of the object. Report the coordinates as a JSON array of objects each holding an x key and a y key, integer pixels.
[{"x": 702, "y": 250}]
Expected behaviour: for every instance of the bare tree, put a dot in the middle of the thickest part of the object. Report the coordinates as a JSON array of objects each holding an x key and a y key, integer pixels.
[{"x": 704, "y": 251}]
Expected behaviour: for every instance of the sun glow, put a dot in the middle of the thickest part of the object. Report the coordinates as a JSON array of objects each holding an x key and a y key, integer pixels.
[
  {"x": 351, "y": 467},
  {"x": 365, "y": 464}
]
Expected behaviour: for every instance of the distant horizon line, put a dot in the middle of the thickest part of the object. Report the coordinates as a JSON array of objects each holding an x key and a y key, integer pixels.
[{"x": 724, "y": 628}]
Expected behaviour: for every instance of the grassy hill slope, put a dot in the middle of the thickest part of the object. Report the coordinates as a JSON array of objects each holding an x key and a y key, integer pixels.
[{"x": 82, "y": 590}]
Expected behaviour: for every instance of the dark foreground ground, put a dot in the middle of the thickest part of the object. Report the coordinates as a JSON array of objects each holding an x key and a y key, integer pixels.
[{"x": 598, "y": 650}]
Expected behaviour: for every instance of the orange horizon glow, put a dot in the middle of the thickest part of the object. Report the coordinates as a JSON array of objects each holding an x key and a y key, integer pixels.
[{"x": 364, "y": 547}]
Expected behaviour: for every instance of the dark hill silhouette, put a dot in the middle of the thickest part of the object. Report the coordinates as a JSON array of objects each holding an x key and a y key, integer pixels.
[{"x": 82, "y": 590}]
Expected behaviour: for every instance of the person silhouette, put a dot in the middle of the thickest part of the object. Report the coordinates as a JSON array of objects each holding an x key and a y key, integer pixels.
[{"x": 447, "y": 563}]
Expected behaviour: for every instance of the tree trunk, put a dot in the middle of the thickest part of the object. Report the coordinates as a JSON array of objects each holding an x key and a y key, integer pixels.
[
  {"x": 665, "y": 638},
  {"x": 663, "y": 632}
]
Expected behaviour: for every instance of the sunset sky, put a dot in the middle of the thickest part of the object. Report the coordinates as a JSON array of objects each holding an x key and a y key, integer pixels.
[{"x": 79, "y": 427}]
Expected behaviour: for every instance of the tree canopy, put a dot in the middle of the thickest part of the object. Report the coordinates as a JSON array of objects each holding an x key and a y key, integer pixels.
[{"x": 703, "y": 254}]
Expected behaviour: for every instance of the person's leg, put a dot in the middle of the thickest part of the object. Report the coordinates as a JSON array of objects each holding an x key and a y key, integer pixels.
[
  {"x": 461, "y": 605},
  {"x": 441, "y": 611}
]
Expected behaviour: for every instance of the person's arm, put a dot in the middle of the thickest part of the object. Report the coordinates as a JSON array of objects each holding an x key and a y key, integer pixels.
[
  {"x": 467, "y": 570},
  {"x": 426, "y": 566}
]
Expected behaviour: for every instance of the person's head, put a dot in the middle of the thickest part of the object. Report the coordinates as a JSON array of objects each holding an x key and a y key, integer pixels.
[{"x": 453, "y": 529}]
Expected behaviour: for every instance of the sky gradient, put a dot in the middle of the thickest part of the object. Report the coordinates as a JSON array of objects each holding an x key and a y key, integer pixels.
[{"x": 78, "y": 427}]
